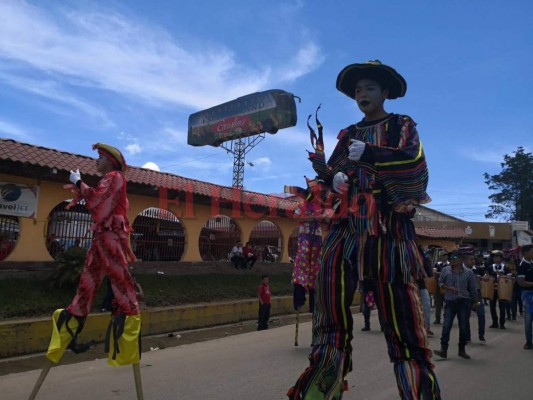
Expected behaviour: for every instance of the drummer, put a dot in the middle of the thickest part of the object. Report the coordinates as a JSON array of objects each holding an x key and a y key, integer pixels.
[
  {"x": 468, "y": 261},
  {"x": 497, "y": 269}
]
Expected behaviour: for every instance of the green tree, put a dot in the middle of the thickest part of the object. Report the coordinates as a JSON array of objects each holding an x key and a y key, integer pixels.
[{"x": 513, "y": 200}]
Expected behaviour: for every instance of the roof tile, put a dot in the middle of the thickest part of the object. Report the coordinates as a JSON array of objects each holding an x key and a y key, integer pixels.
[{"x": 51, "y": 158}]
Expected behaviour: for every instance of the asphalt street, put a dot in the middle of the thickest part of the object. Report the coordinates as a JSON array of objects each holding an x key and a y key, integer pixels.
[{"x": 263, "y": 365}]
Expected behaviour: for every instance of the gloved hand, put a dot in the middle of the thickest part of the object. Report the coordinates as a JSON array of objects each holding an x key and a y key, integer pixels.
[
  {"x": 75, "y": 176},
  {"x": 340, "y": 182},
  {"x": 356, "y": 150}
]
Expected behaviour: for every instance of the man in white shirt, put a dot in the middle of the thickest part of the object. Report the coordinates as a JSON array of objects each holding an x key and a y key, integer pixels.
[{"x": 237, "y": 256}]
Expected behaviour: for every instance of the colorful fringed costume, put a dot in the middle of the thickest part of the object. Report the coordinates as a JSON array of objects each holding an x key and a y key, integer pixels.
[
  {"x": 307, "y": 263},
  {"x": 311, "y": 212},
  {"x": 108, "y": 255},
  {"x": 372, "y": 234}
]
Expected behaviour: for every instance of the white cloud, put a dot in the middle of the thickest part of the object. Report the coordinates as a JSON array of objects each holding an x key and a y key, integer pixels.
[
  {"x": 307, "y": 59},
  {"x": 52, "y": 90},
  {"x": 133, "y": 148},
  {"x": 152, "y": 166},
  {"x": 485, "y": 156},
  {"x": 104, "y": 50},
  {"x": 10, "y": 130}
]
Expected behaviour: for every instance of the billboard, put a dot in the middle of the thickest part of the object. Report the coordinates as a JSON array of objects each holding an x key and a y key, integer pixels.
[
  {"x": 18, "y": 200},
  {"x": 248, "y": 115}
]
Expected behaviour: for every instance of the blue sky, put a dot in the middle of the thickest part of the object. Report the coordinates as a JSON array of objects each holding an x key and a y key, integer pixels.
[{"x": 130, "y": 73}]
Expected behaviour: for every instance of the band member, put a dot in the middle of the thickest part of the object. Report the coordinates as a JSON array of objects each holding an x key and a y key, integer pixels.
[
  {"x": 525, "y": 280},
  {"x": 497, "y": 269}
]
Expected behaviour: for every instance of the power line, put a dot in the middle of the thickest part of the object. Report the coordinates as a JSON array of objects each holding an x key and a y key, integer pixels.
[{"x": 185, "y": 162}]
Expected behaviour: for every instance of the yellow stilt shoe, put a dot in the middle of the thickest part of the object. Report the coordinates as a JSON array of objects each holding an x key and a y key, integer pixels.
[
  {"x": 64, "y": 329},
  {"x": 123, "y": 340}
]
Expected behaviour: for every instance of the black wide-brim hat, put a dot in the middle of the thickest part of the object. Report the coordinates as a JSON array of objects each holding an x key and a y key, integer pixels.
[{"x": 375, "y": 70}]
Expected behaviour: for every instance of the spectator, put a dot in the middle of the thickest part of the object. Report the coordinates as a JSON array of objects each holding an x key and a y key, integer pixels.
[
  {"x": 237, "y": 256},
  {"x": 438, "y": 296},
  {"x": 424, "y": 293},
  {"x": 368, "y": 301},
  {"x": 54, "y": 246},
  {"x": 249, "y": 256},
  {"x": 75, "y": 245},
  {"x": 263, "y": 294}
]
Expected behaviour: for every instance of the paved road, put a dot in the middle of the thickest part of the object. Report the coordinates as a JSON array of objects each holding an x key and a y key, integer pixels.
[{"x": 263, "y": 365}]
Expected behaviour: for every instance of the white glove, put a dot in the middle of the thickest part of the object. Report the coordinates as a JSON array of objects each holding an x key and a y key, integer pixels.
[
  {"x": 75, "y": 176},
  {"x": 356, "y": 150},
  {"x": 340, "y": 184}
]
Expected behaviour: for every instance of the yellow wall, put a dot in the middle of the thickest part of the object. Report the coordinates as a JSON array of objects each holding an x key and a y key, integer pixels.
[{"x": 31, "y": 243}]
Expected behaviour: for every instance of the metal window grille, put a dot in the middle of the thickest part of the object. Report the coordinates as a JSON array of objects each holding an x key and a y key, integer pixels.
[
  {"x": 68, "y": 228},
  {"x": 217, "y": 237},
  {"x": 266, "y": 241},
  {"x": 158, "y": 235},
  {"x": 9, "y": 234},
  {"x": 293, "y": 243}
]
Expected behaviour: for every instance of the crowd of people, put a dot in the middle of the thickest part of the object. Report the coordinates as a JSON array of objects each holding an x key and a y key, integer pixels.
[{"x": 469, "y": 280}]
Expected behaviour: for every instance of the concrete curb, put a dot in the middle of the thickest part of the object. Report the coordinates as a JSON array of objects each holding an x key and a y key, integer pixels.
[
  {"x": 22, "y": 337},
  {"x": 29, "y": 336}
]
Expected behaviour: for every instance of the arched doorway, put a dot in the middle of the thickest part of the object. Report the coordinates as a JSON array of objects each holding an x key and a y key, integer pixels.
[
  {"x": 67, "y": 228},
  {"x": 158, "y": 235},
  {"x": 217, "y": 237},
  {"x": 293, "y": 244},
  {"x": 266, "y": 241}
]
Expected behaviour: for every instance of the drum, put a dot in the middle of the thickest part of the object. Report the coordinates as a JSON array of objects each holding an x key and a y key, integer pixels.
[
  {"x": 487, "y": 288},
  {"x": 505, "y": 288},
  {"x": 431, "y": 284}
]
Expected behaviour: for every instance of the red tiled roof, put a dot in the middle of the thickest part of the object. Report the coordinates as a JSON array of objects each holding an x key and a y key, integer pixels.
[
  {"x": 50, "y": 158},
  {"x": 441, "y": 233}
]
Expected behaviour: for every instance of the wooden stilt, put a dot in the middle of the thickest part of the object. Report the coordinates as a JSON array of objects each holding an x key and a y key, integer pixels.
[
  {"x": 297, "y": 327},
  {"x": 41, "y": 379},
  {"x": 138, "y": 382}
]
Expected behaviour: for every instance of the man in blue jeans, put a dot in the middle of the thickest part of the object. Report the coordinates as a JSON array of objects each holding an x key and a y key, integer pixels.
[
  {"x": 524, "y": 274},
  {"x": 468, "y": 261},
  {"x": 459, "y": 299}
]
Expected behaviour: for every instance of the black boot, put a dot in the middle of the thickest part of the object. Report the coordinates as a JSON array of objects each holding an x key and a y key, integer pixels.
[
  {"x": 462, "y": 353},
  {"x": 443, "y": 353}
]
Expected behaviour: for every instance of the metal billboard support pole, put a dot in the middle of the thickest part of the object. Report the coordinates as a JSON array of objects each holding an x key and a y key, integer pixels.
[{"x": 239, "y": 148}]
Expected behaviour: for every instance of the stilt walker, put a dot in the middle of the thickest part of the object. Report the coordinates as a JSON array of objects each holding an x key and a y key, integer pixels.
[
  {"x": 379, "y": 174},
  {"x": 311, "y": 213},
  {"x": 108, "y": 255}
]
